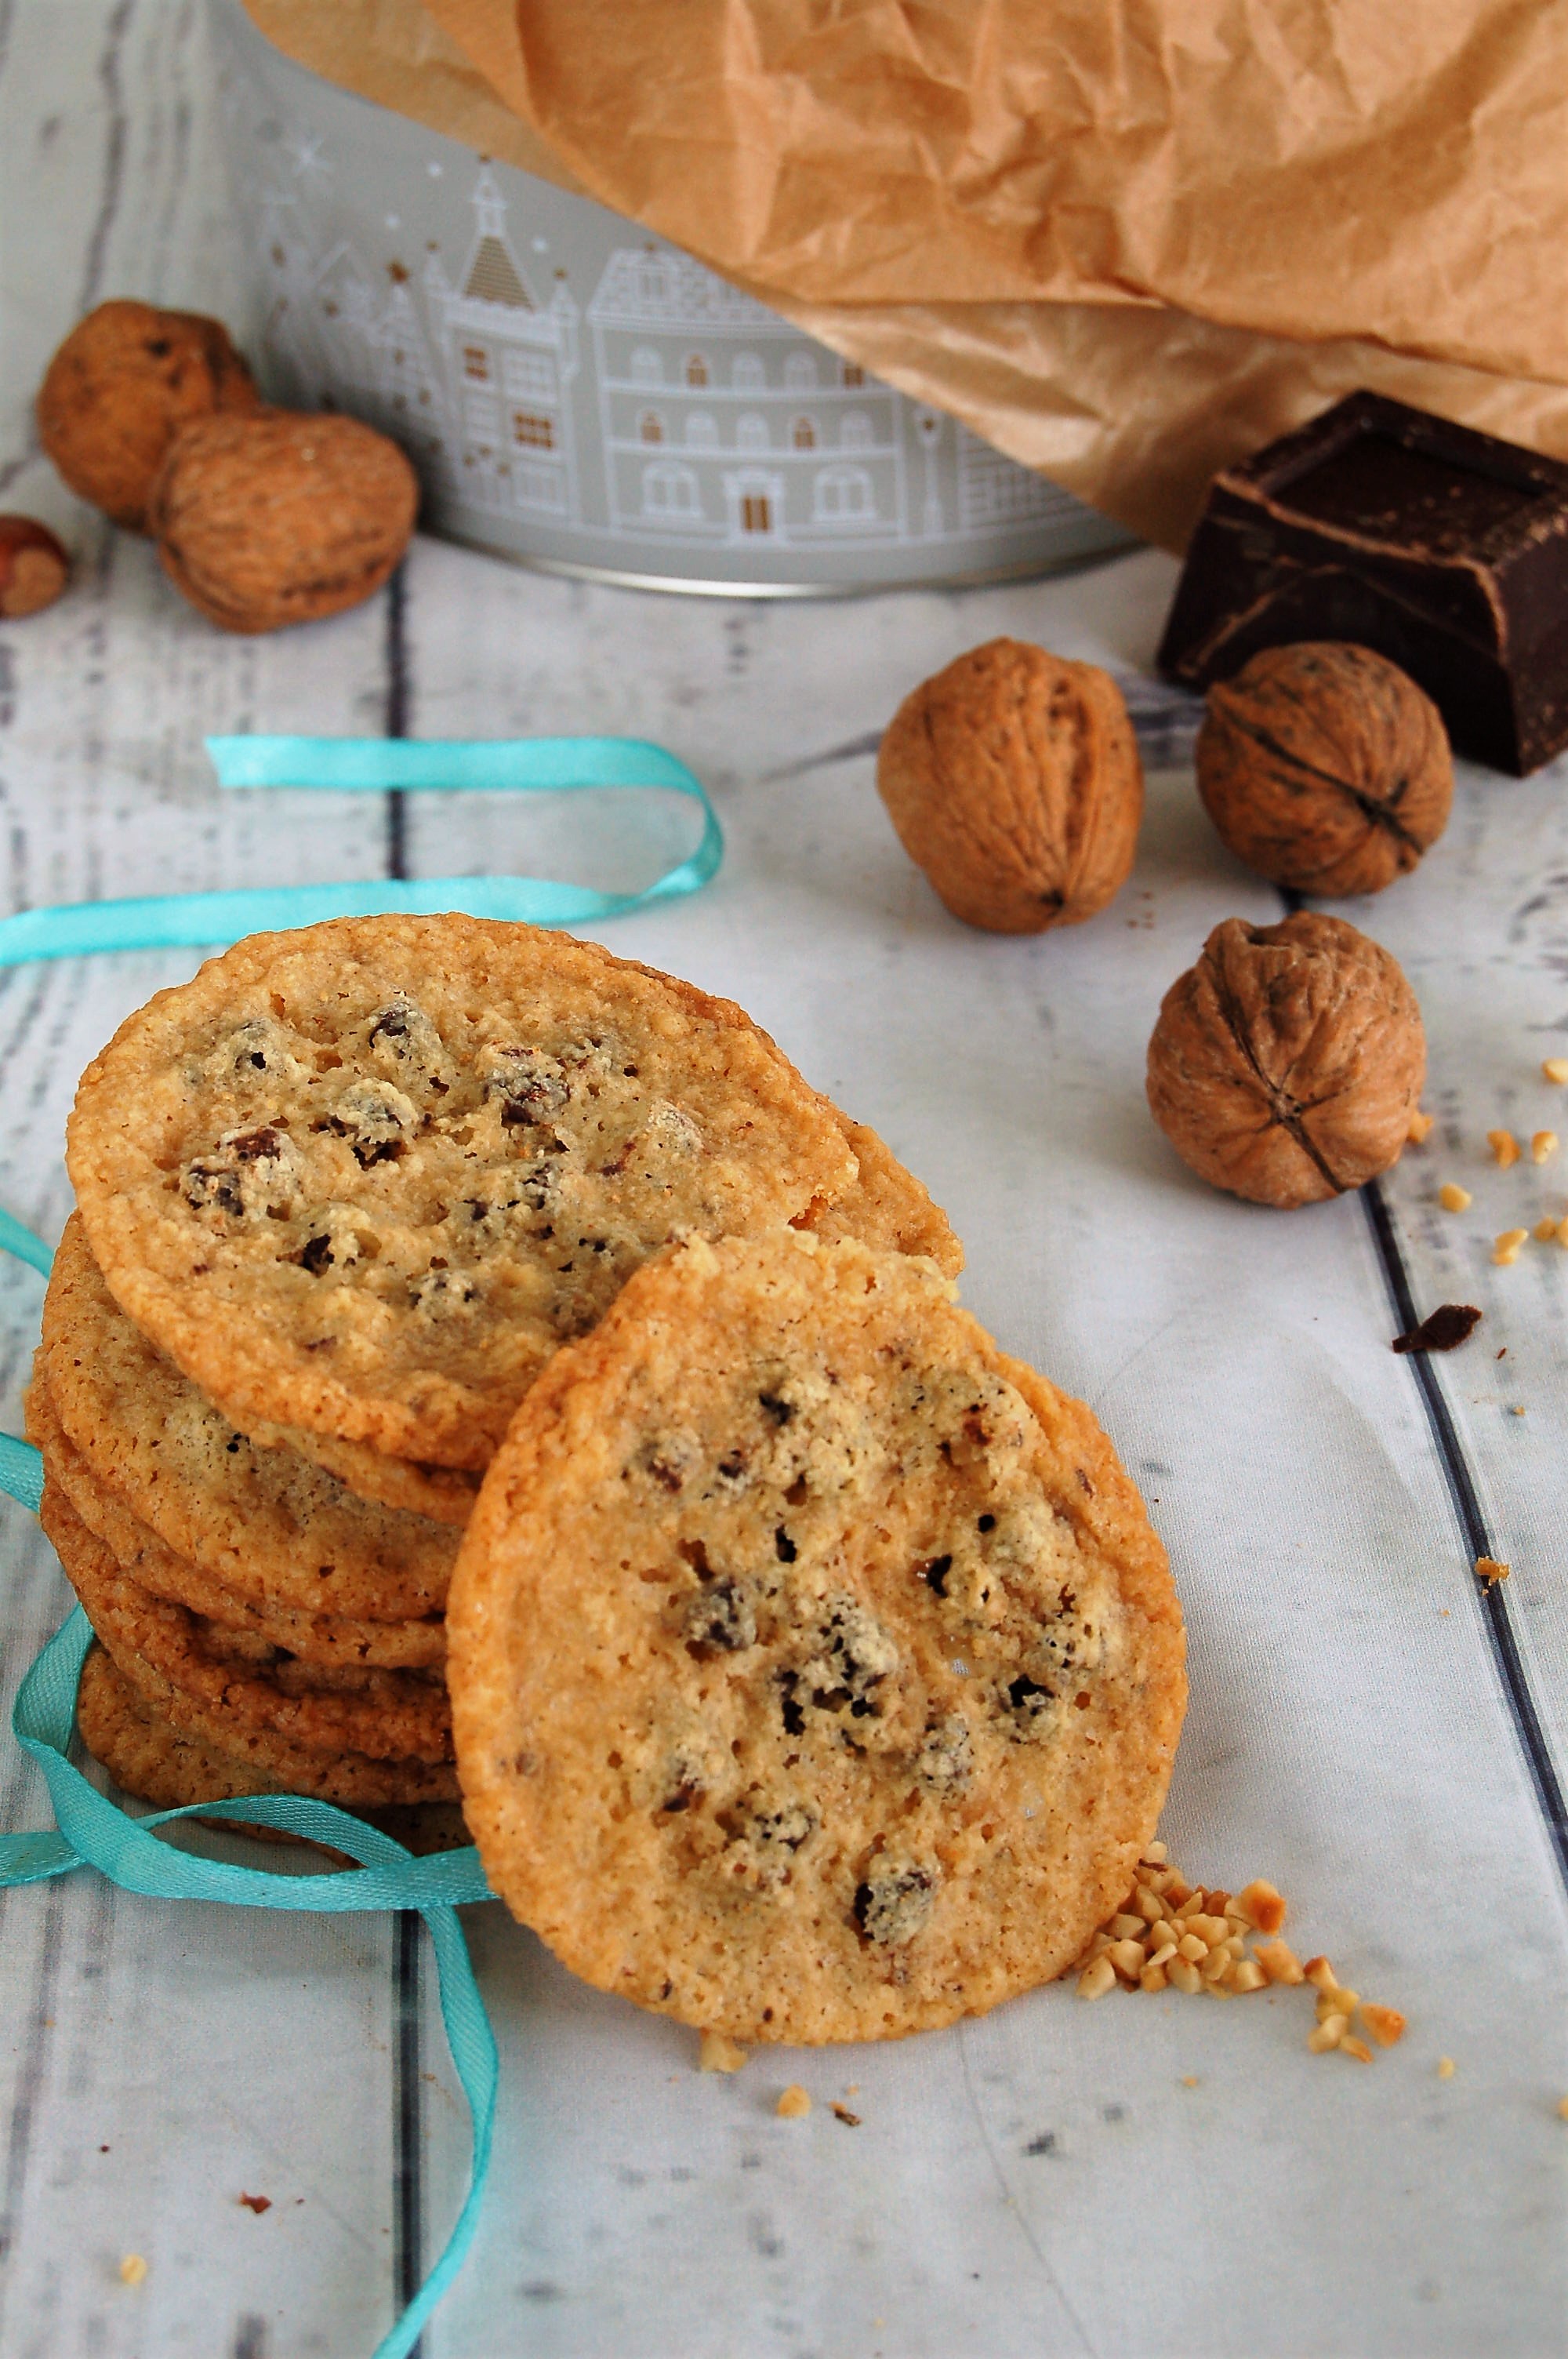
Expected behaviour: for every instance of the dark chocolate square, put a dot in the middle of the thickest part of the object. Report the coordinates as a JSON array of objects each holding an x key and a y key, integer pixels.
[{"x": 1444, "y": 550}]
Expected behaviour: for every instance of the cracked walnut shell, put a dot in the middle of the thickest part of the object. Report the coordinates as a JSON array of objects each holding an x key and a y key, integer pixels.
[
  {"x": 124, "y": 379},
  {"x": 1013, "y": 780},
  {"x": 1286, "y": 1064},
  {"x": 281, "y": 518},
  {"x": 1324, "y": 767}
]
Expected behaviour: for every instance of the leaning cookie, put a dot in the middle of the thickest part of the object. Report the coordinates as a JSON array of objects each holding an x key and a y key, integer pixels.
[
  {"x": 815, "y": 1672},
  {"x": 364, "y": 1178}
]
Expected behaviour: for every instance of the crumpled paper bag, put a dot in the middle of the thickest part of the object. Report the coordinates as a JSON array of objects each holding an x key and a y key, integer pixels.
[{"x": 1126, "y": 240}]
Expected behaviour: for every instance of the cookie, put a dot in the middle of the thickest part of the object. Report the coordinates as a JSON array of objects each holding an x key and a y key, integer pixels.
[
  {"x": 242, "y": 1686},
  {"x": 816, "y": 1673},
  {"x": 364, "y": 1178},
  {"x": 156, "y": 1763},
  {"x": 886, "y": 1206},
  {"x": 266, "y": 1523},
  {"x": 442, "y": 1494},
  {"x": 324, "y": 1639}
]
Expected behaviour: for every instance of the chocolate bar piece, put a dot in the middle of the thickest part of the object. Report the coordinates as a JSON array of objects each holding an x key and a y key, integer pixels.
[{"x": 1444, "y": 550}]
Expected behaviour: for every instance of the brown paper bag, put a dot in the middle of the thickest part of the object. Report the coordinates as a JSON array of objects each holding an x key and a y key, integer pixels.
[{"x": 1124, "y": 240}]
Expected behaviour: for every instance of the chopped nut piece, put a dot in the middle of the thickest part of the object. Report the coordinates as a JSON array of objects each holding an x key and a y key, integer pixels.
[
  {"x": 794, "y": 2103},
  {"x": 1125, "y": 1927},
  {"x": 1150, "y": 1906},
  {"x": 1248, "y": 1975},
  {"x": 1192, "y": 1947},
  {"x": 1545, "y": 1230},
  {"x": 133, "y": 2269},
  {"x": 1192, "y": 1906},
  {"x": 1156, "y": 1854},
  {"x": 1163, "y": 1954},
  {"x": 1338, "y": 2002},
  {"x": 1216, "y": 1901},
  {"x": 1096, "y": 1979},
  {"x": 1505, "y": 1252},
  {"x": 1129, "y": 1958},
  {"x": 1556, "y": 1069},
  {"x": 1489, "y": 1569},
  {"x": 1422, "y": 1127},
  {"x": 1504, "y": 1146},
  {"x": 1261, "y": 1906},
  {"x": 1184, "y": 1975},
  {"x": 1208, "y": 1928},
  {"x": 1218, "y": 1966},
  {"x": 1152, "y": 1978},
  {"x": 1543, "y": 1145},
  {"x": 1279, "y": 1962},
  {"x": 1329, "y": 2034},
  {"x": 1178, "y": 1891},
  {"x": 1319, "y": 1970},
  {"x": 1356, "y": 2048},
  {"x": 1453, "y": 1199},
  {"x": 717, "y": 2054},
  {"x": 1385, "y": 2024},
  {"x": 1445, "y": 2068}
]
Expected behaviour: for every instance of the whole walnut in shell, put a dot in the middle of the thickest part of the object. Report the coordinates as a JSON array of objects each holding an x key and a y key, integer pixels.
[
  {"x": 1013, "y": 780},
  {"x": 1286, "y": 1065},
  {"x": 280, "y": 519},
  {"x": 125, "y": 378},
  {"x": 1324, "y": 767}
]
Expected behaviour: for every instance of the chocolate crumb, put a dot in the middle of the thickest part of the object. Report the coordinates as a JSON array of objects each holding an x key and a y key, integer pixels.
[
  {"x": 842, "y": 2114},
  {"x": 1443, "y": 1328},
  {"x": 257, "y": 2203}
]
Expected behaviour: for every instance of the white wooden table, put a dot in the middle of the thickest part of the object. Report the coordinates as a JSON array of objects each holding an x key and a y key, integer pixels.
[{"x": 1368, "y": 1727}]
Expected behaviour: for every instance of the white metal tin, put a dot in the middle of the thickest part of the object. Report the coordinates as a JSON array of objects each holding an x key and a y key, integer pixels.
[{"x": 577, "y": 394}]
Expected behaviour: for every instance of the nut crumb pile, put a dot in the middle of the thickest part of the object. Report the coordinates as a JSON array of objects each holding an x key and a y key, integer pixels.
[{"x": 1172, "y": 1935}]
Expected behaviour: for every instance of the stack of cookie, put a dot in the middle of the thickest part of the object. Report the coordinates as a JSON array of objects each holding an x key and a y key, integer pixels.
[
  {"x": 341, "y": 1198},
  {"x": 262, "y": 1627}
]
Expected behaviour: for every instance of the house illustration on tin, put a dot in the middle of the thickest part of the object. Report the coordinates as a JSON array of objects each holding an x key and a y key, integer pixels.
[
  {"x": 326, "y": 326},
  {"x": 722, "y": 422},
  {"x": 694, "y": 413},
  {"x": 510, "y": 363}
]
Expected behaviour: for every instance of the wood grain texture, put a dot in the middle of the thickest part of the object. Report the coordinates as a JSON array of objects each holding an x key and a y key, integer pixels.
[{"x": 1057, "y": 2178}]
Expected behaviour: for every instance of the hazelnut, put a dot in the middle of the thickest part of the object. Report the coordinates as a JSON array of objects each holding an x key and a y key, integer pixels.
[
  {"x": 1013, "y": 780},
  {"x": 1324, "y": 767},
  {"x": 118, "y": 386},
  {"x": 33, "y": 566},
  {"x": 280, "y": 519},
  {"x": 1286, "y": 1065}
]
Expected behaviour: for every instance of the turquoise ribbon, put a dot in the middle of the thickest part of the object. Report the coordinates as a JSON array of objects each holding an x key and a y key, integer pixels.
[
  {"x": 91, "y": 1830},
  {"x": 529, "y": 766}
]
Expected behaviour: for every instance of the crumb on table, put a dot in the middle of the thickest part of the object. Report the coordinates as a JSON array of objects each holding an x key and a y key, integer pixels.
[
  {"x": 794, "y": 2103},
  {"x": 717, "y": 2054}
]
